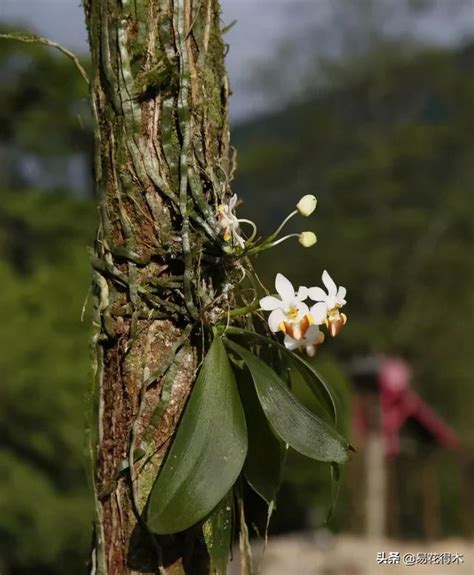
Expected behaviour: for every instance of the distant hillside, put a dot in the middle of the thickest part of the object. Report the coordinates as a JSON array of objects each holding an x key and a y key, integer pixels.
[
  {"x": 390, "y": 155},
  {"x": 312, "y": 145}
]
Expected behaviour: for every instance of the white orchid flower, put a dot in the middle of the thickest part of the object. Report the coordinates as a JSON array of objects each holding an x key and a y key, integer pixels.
[
  {"x": 229, "y": 222},
  {"x": 287, "y": 311},
  {"x": 327, "y": 309},
  {"x": 308, "y": 343}
]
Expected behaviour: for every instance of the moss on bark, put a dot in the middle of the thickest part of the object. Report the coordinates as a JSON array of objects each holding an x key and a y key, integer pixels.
[{"x": 159, "y": 95}]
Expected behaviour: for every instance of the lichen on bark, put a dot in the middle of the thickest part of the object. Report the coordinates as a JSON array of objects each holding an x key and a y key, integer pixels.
[{"x": 159, "y": 95}]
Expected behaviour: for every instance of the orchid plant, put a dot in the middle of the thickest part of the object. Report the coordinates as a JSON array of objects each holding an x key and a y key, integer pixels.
[{"x": 244, "y": 387}]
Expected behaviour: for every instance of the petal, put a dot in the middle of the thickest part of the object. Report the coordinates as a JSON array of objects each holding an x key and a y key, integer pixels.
[
  {"x": 331, "y": 302},
  {"x": 313, "y": 334},
  {"x": 295, "y": 331},
  {"x": 284, "y": 287},
  {"x": 329, "y": 283},
  {"x": 275, "y": 319},
  {"x": 317, "y": 294},
  {"x": 303, "y": 309},
  {"x": 336, "y": 324},
  {"x": 302, "y": 293},
  {"x": 310, "y": 350},
  {"x": 319, "y": 313},
  {"x": 224, "y": 221},
  {"x": 341, "y": 294},
  {"x": 290, "y": 343},
  {"x": 270, "y": 302},
  {"x": 232, "y": 202}
]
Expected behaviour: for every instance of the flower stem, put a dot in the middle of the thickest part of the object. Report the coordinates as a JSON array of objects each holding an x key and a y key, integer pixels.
[
  {"x": 244, "y": 310},
  {"x": 269, "y": 244},
  {"x": 282, "y": 225},
  {"x": 254, "y": 229}
]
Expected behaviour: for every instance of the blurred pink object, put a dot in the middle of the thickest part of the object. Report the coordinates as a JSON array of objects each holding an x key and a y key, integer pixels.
[{"x": 398, "y": 403}]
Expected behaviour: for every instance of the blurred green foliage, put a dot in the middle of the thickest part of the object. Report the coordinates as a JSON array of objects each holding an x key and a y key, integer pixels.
[
  {"x": 44, "y": 113},
  {"x": 390, "y": 156},
  {"x": 389, "y": 153},
  {"x": 44, "y": 277}
]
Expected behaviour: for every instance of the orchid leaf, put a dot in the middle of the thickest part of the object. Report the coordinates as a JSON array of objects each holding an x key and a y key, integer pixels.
[
  {"x": 266, "y": 454},
  {"x": 302, "y": 388},
  {"x": 207, "y": 453},
  {"x": 310, "y": 374},
  {"x": 303, "y": 430}
]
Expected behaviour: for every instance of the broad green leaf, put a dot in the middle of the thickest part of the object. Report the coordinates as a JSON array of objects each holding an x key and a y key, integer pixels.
[
  {"x": 266, "y": 454},
  {"x": 302, "y": 387},
  {"x": 217, "y": 531},
  {"x": 208, "y": 451},
  {"x": 315, "y": 381},
  {"x": 312, "y": 377},
  {"x": 300, "y": 428}
]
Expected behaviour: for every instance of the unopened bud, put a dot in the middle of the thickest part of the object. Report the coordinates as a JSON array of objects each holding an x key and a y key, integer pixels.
[
  {"x": 307, "y": 239},
  {"x": 307, "y": 205}
]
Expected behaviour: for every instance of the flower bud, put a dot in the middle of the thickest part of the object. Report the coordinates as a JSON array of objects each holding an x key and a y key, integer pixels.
[
  {"x": 307, "y": 239},
  {"x": 307, "y": 205}
]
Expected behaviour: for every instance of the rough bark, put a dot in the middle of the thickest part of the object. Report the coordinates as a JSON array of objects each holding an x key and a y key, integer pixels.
[{"x": 159, "y": 95}]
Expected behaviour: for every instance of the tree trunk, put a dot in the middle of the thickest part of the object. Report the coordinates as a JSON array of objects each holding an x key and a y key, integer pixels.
[{"x": 159, "y": 95}]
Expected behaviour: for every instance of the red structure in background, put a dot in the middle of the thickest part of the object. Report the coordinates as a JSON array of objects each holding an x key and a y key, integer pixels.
[
  {"x": 399, "y": 439},
  {"x": 398, "y": 403},
  {"x": 395, "y": 475}
]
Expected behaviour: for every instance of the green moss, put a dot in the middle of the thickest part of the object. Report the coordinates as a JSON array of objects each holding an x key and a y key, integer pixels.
[
  {"x": 147, "y": 479},
  {"x": 163, "y": 78}
]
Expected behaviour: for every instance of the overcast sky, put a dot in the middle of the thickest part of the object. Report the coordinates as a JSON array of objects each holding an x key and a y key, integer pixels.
[{"x": 261, "y": 26}]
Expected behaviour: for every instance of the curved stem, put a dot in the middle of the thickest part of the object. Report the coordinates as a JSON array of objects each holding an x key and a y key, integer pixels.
[
  {"x": 33, "y": 39},
  {"x": 283, "y": 239},
  {"x": 254, "y": 228},
  {"x": 267, "y": 245},
  {"x": 282, "y": 225}
]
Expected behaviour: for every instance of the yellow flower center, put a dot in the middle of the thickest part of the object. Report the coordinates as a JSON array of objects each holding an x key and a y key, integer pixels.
[
  {"x": 333, "y": 314},
  {"x": 292, "y": 312}
]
